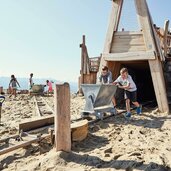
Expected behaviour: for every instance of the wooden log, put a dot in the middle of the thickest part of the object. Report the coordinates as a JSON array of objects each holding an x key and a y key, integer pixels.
[
  {"x": 38, "y": 123},
  {"x": 79, "y": 130},
  {"x": 62, "y": 117}
]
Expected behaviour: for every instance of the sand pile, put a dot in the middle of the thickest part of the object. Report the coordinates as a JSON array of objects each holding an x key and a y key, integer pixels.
[{"x": 143, "y": 143}]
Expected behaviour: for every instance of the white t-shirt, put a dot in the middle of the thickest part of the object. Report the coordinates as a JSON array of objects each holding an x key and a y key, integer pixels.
[{"x": 126, "y": 82}]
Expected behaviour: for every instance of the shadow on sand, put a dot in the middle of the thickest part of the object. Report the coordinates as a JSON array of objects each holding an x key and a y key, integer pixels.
[{"x": 96, "y": 162}]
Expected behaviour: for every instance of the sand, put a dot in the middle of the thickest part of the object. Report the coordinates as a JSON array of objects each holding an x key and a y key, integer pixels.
[{"x": 142, "y": 143}]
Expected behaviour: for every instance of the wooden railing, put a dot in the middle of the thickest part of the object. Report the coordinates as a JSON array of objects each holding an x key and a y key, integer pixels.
[{"x": 94, "y": 64}]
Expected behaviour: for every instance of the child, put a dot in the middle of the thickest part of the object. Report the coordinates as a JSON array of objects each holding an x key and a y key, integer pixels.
[
  {"x": 13, "y": 83},
  {"x": 125, "y": 82},
  {"x": 49, "y": 84},
  {"x": 31, "y": 81},
  {"x": 105, "y": 76}
]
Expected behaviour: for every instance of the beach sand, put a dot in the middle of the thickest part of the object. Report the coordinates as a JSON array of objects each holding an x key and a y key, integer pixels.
[{"x": 142, "y": 143}]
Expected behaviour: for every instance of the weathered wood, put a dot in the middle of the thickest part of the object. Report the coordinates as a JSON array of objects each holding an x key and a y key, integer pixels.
[
  {"x": 114, "y": 67},
  {"x": 36, "y": 107},
  {"x": 37, "y": 123},
  {"x": 79, "y": 130},
  {"x": 155, "y": 65},
  {"x": 113, "y": 27},
  {"x": 22, "y": 144},
  {"x": 128, "y": 33},
  {"x": 129, "y": 56},
  {"x": 127, "y": 48},
  {"x": 1, "y": 90},
  {"x": 62, "y": 117},
  {"x": 166, "y": 28},
  {"x": 47, "y": 106},
  {"x": 5, "y": 140},
  {"x": 82, "y": 61}
]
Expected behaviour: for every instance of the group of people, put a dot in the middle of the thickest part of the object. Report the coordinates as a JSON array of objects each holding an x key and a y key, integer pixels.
[
  {"x": 13, "y": 84},
  {"x": 124, "y": 81}
]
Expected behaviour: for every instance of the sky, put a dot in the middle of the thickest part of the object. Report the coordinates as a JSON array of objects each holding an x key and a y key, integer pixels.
[{"x": 43, "y": 36}]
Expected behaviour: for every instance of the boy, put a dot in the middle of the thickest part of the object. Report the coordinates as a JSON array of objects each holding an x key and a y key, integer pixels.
[
  {"x": 105, "y": 76},
  {"x": 125, "y": 82}
]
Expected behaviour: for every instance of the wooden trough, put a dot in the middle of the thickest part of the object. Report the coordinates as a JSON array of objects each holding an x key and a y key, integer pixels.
[{"x": 79, "y": 130}]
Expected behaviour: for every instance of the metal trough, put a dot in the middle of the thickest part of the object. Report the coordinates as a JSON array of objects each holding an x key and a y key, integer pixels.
[
  {"x": 98, "y": 99},
  {"x": 37, "y": 88}
]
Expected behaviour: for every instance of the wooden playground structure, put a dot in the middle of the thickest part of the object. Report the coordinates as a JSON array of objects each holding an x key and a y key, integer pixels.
[{"x": 145, "y": 52}]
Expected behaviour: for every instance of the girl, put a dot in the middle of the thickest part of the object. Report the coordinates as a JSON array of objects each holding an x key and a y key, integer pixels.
[{"x": 13, "y": 85}]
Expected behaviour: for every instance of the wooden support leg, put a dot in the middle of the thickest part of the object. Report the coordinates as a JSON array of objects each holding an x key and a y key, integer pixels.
[
  {"x": 62, "y": 117},
  {"x": 159, "y": 85}
]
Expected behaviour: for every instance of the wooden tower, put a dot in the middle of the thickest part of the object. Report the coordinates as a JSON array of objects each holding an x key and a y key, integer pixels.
[{"x": 139, "y": 48}]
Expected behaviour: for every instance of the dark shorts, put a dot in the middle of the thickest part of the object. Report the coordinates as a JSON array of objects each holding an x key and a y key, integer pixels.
[{"x": 131, "y": 95}]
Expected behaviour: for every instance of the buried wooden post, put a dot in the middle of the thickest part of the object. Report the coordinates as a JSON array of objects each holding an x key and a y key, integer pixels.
[{"x": 62, "y": 117}]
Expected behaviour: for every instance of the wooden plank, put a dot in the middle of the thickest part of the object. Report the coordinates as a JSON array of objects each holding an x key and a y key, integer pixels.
[
  {"x": 37, "y": 123},
  {"x": 155, "y": 65},
  {"x": 131, "y": 56},
  {"x": 22, "y": 144},
  {"x": 114, "y": 67},
  {"x": 47, "y": 106},
  {"x": 124, "y": 49},
  {"x": 133, "y": 39},
  {"x": 62, "y": 117},
  {"x": 166, "y": 28},
  {"x": 36, "y": 107},
  {"x": 113, "y": 27},
  {"x": 131, "y": 33}
]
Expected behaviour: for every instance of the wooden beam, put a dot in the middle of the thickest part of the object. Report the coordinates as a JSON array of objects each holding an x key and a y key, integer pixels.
[
  {"x": 130, "y": 56},
  {"x": 131, "y": 33},
  {"x": 37, "y": 123},
  {"x": 62, "y": 117},
  {"x": 155, "y": 65},
  {"x": 22, "y": 144},
  {"x": 166, "y": 28},
  {"x": 113, "y": 27},
  {"x": 38, "y": 112}
]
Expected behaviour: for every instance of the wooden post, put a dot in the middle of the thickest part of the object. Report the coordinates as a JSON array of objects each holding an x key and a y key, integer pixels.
[
  {"x": 62, "y": 117},
  {"x": 1, "y": 90},
  {"x": 166, "y": 28},
  {"x": 112, "y": 28},
  {"x": 155, "y": 65}
]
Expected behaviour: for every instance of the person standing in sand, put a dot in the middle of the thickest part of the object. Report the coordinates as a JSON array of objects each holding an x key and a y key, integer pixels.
[
  {"x": 31, "y": 81},
  {"x": 50, "y": 88},
  {"x": 13, "y": 86},
  {"x": 125, "y": 81}
]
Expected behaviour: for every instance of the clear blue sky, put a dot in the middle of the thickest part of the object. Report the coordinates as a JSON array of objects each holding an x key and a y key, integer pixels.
[{"x": 43, "y": 36}]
